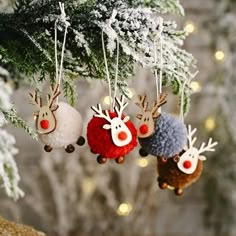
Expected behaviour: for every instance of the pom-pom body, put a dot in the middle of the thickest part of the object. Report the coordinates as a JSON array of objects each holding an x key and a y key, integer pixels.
[
  {"x": 69, "y": 127},
  {"x": 100, "y": 140},
  {"x": 169, "y": 138},
  {"x": 171, "y": 175}
]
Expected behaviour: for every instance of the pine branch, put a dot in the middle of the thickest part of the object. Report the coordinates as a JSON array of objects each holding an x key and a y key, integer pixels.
[{"x": 18, "y": 122}]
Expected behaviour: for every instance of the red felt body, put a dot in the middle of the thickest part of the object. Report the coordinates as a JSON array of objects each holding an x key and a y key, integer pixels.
[{"x": 100, "y": 140}]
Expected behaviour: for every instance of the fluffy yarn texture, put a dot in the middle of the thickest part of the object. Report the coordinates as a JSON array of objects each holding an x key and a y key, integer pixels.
[
  {"x": 170, "y": 173},
  {"x": 169, "y": 138},
  {"x": 69, "y": 127},
  {"x": 100, "y": 140}
]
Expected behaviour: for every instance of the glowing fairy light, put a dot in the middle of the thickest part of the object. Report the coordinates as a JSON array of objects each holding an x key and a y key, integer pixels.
[
  {"x": 106, "y": 100},
  {"x": 124, "y": 209},
  {"x": 190, "y": 27},
  {"x": 210, "y": 124},
  {"x": 196, "y": 87},
  {"x": 142, "y": 162},
  {"x": 219, "y": 55}
]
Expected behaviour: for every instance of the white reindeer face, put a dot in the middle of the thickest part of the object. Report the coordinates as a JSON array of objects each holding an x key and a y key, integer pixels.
[
  {"x": 189, "y": 160},
  {"x": 120, "y": 133},
  {"x": 46, "y": 121}
]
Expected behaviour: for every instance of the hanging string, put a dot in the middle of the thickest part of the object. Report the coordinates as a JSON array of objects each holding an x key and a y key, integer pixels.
[
  {"x": 181, "y": 115},
  {"x": 159, "y": 85},
  {"x": 55, "y": 48},
  {"x": 107, "y": 71},
  {"x": 63, "y": 18},
  {"x": 161, "y": 54},
  {"x": 117, "y": 70}
]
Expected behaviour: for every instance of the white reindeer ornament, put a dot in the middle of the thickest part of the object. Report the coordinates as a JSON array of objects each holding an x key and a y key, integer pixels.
[{"x": 58, "y": 124}]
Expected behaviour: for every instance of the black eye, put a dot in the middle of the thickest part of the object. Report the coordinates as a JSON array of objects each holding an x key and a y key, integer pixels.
[
  {"x": 46, "y": 113},
  {"x": 147, "y": 119},
  {"x": 43, "y": 114},
  {"x": 120, "y": 126}
]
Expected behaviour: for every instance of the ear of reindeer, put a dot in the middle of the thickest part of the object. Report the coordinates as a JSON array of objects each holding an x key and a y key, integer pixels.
[{"x": 144, "y": 105}]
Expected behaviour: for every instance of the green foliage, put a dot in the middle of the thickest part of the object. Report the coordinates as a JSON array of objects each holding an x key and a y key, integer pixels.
[{"x": 18, "y": 122}]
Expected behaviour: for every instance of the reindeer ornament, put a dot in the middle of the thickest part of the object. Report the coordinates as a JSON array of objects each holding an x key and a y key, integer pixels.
[
  {"x": 159, "y": 134},
  {"x": 185, "y": 168},
  {"x": 111, "y": 134},
  {"x": 58, "y": 124}
]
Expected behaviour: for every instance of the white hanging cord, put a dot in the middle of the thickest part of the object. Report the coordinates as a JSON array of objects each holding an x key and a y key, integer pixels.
[
  {"x": 55, "y": 49},
  {"x": 159, "y": 85},
  {"x": 181, "y": 115},
  {"x": 107, "y": 71},
  {"x": 161, "y": 54},
  {"x": 63, "y": 18},
  {"x": 117, "y": 71}
]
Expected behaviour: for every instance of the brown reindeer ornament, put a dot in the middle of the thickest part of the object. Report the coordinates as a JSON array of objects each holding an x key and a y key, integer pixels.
[
  {"x": 58, "y": 124},
  {"x": 184, "y": 168}
]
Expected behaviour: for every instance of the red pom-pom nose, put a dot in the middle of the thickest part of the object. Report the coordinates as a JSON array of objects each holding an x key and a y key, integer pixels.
[
  {"x": 122, "y": 135},
  {"x": 44, "y": 124},
  {"x": 187, "y": 164},
  {"x": 143, "y": 129}
]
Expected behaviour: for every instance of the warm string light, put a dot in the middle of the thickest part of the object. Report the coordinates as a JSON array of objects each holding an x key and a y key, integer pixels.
[
  {"x": 88, "y": 185},
  {"x": 124, "y": 209},
  {"x": 189, "y": 27},
  {"x": 210, "y": 124},
  {"x": 196, "y": 87},
  {"x": 142, "y": 162},
  {"x": 219, "y": 55},
  {"x": 106, "y": 100}
]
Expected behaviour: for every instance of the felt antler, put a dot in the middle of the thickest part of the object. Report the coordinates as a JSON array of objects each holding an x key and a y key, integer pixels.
[
  {"x": 100, "y": 113},
  {"x": 122, "y": 105},
  {"x": 35, "y": 100}
]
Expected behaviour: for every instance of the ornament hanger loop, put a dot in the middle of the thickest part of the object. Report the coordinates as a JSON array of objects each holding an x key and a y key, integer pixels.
[
  {"x": 160, "y": 37},
  {"x": 64, "y": 19},
  {"x": 111, "y": 100}
]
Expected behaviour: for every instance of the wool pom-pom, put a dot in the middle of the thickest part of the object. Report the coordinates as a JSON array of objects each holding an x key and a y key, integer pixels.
[
  {"x": 100, "y": 140},
  {"x": 169, "y": 138}
]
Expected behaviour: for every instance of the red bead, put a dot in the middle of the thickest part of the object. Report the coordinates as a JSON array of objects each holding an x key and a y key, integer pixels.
[
  {"x": 122, "y": 135},
  {"x": 44, "y": 124},
  {"x": 143, "y": 129},
  {"x": 187, "y": 164}
]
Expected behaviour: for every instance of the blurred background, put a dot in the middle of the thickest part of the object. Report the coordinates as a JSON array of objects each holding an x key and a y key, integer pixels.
[{"x": 70, "y": 194}]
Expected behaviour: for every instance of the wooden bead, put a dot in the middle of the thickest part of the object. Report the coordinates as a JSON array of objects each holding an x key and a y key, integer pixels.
[
  {"x": 47, "y": 148},
  {"x": 81, "y": 141},
  {"x": 142, "y": 153},
  {"x": 70, "y": 148},
  {"x": 120, "y": 160},
  {"x": 101, "y": 159}
]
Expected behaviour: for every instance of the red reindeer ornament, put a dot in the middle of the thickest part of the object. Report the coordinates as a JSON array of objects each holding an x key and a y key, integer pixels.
[
  {"x": 58, "y": 124},
  {"x": 185, "y": 168},
  {"x": 111, "y": 134}
]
